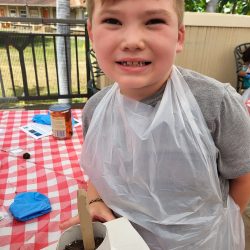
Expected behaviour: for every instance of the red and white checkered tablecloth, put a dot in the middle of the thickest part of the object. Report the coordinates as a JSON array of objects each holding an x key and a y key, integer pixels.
[{"x": 53, "y": 170}]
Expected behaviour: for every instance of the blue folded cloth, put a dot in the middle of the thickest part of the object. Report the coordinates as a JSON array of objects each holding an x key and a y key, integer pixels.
[
  {"x": 45, "y": 119},
  {"x": 42, "y": 119},
  {"x": 29, "y": 205}
]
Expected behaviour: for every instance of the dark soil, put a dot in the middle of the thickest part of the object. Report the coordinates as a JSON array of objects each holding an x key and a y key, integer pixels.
[{"x": 78, "y": 244}]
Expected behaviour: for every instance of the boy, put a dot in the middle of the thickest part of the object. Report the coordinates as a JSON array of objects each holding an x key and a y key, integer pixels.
[{"x": 164, "y": 146}]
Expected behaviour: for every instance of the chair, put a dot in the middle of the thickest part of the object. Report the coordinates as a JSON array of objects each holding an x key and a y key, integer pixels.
[
  {"x": 95, "y": 73},
  {"x": 238, "y": 52}
]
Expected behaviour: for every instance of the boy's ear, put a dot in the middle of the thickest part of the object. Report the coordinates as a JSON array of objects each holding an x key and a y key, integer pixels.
[
  {"x": 89, "y": 28},
  {"x": 181, "y": 38}
]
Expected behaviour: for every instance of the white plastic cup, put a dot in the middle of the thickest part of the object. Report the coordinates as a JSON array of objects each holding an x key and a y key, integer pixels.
[{"x": 74, "y": 233}]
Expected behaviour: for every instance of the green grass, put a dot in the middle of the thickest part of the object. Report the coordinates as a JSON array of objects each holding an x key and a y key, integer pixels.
[{"x": 51, "y": 66}]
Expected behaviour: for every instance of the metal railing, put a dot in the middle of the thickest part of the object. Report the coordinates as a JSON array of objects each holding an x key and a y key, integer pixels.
[{"x": 29, "y": 65}]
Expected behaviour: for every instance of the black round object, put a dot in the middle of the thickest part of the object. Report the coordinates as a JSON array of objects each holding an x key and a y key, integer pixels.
[{"x": 26, "y": 156}]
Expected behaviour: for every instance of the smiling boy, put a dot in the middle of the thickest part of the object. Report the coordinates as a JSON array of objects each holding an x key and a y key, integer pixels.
[
  {"x": 140, "y": 54},
  {"x": 164, "y": 146}
]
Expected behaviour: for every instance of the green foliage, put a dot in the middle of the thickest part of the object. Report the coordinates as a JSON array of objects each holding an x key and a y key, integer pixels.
[
  {"x": 195, "y": 6},
  {"x": 234, "y": 7},
  {"x": 241, "y": 7}
]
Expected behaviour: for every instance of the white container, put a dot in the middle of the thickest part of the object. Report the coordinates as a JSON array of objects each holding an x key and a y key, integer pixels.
[
  {"x": 74, "y": 233},
  {"x": 118, "y": 234}
]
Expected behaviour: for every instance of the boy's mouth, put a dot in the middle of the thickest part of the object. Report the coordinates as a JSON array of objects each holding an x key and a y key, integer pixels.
[{"x": 134, "y": 63}]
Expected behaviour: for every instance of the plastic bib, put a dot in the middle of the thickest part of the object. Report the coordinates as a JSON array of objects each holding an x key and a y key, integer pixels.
[{"x": 157, "y": 167}]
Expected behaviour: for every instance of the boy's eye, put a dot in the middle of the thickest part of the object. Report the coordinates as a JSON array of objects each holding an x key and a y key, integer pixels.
[
  {"x": 155, "y": 21},
  {"x": 112, "y": 21}
]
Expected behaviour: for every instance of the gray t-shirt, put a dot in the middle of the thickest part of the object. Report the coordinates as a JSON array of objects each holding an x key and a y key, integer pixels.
[{"x": 226, "y": 118}]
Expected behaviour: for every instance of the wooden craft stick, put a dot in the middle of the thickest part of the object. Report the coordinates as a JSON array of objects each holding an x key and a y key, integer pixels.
[{"x": 85, "y": 220}]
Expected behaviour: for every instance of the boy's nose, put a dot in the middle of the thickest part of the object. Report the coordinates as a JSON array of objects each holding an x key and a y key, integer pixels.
[{"x": 132, "y": 40}]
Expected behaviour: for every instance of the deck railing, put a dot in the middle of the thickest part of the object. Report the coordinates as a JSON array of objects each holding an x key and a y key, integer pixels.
[{"x": 29, "y": 64}]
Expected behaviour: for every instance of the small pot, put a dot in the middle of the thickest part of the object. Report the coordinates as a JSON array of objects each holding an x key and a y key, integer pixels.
[{"x": 74, "y": 233}]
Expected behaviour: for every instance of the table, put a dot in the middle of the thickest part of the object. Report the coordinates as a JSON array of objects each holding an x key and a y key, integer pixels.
[{"x": 53, "y": 170}]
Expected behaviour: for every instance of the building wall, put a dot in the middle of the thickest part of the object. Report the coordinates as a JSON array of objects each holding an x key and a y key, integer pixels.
[
  {"x": 43, "y": 12},
  {"x": 2, "y": 11}
]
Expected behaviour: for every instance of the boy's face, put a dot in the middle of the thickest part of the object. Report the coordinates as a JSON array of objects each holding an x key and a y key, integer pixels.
[{"x": 136, "y": 42}]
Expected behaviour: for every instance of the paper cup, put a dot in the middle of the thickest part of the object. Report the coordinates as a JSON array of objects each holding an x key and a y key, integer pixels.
[{"x": 74, "y": 233}]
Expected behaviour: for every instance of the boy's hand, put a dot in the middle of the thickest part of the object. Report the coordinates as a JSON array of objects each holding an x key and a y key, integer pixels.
[
  {"x": 98, "y": 211},
  {"x": 69, "y": 223}
]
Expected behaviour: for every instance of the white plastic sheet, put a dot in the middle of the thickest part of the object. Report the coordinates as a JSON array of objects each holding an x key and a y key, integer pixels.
[{"x": 157, "y": 167}]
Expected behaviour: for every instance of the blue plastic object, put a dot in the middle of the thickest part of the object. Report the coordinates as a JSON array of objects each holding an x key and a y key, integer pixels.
[
  {"x": 42, "y": 119},
  {"x": 45, "y": 119},
  {"x": 29, "y": 205}
]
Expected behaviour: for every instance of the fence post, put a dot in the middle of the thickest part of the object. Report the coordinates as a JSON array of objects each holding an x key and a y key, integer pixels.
[
  {"x": 24, "y": 75},
  {"x": 87, "y": 49},
  {"x": 2, "y": 86}
]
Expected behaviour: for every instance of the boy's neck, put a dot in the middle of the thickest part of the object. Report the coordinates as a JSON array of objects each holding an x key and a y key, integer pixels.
[
  {"x": 144, "y": 95},
  {"x": 156, "y": 95}
]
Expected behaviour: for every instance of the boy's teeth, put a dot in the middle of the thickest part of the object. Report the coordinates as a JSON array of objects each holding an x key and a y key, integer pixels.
[{"x": 135, "y": 64}]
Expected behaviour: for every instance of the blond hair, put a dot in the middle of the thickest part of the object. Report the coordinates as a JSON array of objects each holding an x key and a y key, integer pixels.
[{"x": 178, "y": 4}]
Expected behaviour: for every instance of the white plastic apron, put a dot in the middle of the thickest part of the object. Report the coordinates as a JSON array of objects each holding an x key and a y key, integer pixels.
[{"x": 157, "y": 167}]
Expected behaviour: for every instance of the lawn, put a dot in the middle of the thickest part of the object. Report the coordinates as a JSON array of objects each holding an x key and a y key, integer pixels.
[{"x": 41, "y": 53}]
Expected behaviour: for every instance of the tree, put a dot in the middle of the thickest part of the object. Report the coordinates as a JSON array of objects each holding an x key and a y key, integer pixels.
[
  {"x": 195, "y": 6},
  {"x": 234, "y": 6},
  {"x": 221, "y": 6}
]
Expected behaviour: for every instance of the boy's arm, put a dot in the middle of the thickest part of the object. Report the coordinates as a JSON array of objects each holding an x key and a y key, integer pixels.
[
  {"x": 98, "y": 210},
  {"x": 240, "y": 191},
  {"x": 91, "y": 192}
]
